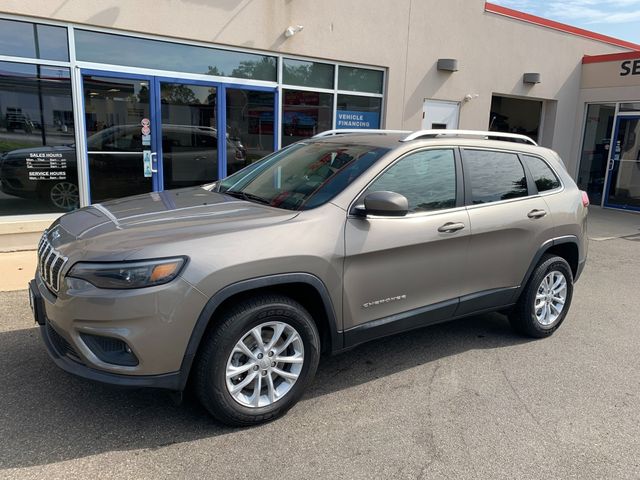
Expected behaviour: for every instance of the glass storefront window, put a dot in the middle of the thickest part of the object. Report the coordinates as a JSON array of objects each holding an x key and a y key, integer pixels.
[
  {"x": 630, "y": 107},
  {"x": 142, "y": 52},
  {"x": 114, "y": 110},
  {"x": 38, "y": 170},
  {"x": 190, "y": 135},
  {"x": 595, "y": 149},
  {"x": 360, "y": 79},
  {"x": 250, "y": 126},
  {"x": 305, "y": 114},
  {"x": 358, "y": 112},
  {"x": 24, "y": 39},
  {"x": 624, "y": 176},
  {"x": 307, "y": 74}
]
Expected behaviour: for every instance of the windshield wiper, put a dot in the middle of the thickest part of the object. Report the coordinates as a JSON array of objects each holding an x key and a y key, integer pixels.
[{"x": 247, "y": 196}]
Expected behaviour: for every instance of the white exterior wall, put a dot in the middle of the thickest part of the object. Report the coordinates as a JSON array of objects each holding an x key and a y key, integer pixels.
[{"x": 405, "y": 36}]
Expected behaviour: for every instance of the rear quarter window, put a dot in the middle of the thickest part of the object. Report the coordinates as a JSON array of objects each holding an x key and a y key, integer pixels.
[{"x": 542, "y": 174}]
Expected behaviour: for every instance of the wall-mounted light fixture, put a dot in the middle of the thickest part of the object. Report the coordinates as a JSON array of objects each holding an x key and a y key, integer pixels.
[
  {"x": 531, "y": 78},
  {"x": 292, "y": 30},
  {"x": 448, "y": 64}
]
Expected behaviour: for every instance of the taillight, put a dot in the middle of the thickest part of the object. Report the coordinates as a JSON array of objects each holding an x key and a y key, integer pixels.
[{"x": 585, "y": 199}]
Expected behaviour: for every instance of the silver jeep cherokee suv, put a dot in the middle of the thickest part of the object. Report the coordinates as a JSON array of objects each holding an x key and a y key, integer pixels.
[{"x": 239, "y": 285}]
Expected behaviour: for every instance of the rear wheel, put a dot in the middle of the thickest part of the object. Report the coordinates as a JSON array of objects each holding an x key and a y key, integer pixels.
[
  {"x": 544, "y": 303},
  {"x": 256, "y": 363}
]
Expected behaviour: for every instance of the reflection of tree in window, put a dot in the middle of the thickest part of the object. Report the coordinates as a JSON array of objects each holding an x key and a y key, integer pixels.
[
  {"x": 519, "y": 189},
  {"x": 179, "y": 95},
  {"x": 250, "y": 69},
  {"x": 427, "y": 179},
  {"x": 494, "y": 176}
]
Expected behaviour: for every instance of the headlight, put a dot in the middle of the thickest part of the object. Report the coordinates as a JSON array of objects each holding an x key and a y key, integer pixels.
[{"x": 137, "y": 274}]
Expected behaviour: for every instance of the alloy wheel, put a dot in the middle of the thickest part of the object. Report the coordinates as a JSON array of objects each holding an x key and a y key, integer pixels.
[
  {"x": 551, "y": 297},
  {"x": 264, "y": 364},
  {"x": 64, "y": 195}
]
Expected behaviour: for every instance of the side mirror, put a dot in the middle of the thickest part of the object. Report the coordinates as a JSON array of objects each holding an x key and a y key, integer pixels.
[{"x": 386, "y": 204}]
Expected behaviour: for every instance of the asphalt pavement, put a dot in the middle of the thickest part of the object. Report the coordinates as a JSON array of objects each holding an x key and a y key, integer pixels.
[{"x": 467, "y": 399}]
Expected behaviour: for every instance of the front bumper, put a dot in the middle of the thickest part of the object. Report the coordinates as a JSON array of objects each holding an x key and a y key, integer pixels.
[
  {"x": 579, "y": 269},
  {"x": 156, "y": 342}
]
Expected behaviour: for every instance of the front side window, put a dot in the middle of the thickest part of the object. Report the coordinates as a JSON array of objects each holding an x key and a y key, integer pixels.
[
  {"x": 494, "y": 176},
  {"x": 542, "y": 174},
  {"x": 426, "y": 178},
  {"x": 302, "y": 176}
]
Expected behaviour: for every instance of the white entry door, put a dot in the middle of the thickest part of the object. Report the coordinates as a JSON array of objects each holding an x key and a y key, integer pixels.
[{"x": 440, "y": 114}]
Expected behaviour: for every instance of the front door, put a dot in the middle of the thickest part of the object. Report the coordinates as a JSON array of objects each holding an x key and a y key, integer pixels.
[
  {"x": 401, "y": 272},
  {"x": 623, "y": 184},
  {"x": 119, "y": 133}
]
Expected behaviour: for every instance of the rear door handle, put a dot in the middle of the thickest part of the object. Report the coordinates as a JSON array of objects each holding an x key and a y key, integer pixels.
[
  {"x": 536, "y": 213},
  {"x": 451, "y": 227}
]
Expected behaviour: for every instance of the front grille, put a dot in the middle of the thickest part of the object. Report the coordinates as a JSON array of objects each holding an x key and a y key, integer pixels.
[
  {"x": 63, "y": 347},
  {"x": 50, "y": 263}
]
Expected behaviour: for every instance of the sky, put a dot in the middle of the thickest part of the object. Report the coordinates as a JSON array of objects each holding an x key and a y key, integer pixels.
[{"x": 616, "y": 18}]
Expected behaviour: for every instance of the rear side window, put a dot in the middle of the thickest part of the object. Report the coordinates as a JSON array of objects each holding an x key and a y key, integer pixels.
[
  {"x": 542, "y": 174},
  {"x": 426, "y": 178},
  {"x": 494, "y": 176}
]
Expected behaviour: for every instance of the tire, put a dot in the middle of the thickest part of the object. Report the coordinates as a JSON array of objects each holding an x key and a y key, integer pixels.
[
  {"x": 221, "y": 354},
  {"x": 546, "y": 319}
]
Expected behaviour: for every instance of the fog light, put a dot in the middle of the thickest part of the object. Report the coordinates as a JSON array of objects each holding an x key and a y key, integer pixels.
[{"x": 110, "y": 350}]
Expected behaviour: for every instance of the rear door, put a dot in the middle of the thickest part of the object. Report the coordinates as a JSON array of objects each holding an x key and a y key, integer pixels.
[
  {"x": 509, "y": 222},
  {"x": 397, "y": 266}
]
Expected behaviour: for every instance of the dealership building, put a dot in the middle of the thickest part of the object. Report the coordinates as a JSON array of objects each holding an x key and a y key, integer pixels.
[{"x": 100, "y": 100}]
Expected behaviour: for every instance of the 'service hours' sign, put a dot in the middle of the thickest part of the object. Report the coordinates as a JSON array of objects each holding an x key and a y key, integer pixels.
[{"x": 47, "y": 166}]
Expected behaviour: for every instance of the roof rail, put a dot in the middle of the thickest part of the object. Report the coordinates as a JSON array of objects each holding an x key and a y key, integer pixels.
[
  {"x": 468, "y": 133},
  {"x": 342, "y": 131}
]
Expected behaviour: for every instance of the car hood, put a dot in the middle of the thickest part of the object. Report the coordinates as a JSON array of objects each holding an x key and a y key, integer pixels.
[{"x": 120, "y": 228}]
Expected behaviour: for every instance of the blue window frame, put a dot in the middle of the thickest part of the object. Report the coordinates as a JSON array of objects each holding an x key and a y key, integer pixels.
[{"x": 156, "y": 117}]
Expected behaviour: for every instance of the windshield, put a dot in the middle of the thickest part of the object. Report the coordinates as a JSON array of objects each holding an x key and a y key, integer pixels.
[{"x": 302, "y": 176}]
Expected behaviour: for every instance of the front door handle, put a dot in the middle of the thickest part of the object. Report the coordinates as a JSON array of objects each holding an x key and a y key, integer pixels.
[
  {"x": 536, "y": 213},
  {"x": 451, "y": 227}
]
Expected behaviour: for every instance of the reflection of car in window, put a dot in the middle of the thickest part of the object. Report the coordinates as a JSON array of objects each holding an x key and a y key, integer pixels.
[
  {"x": 16, "y": 120},
  {"x": 190, "y": 153}
]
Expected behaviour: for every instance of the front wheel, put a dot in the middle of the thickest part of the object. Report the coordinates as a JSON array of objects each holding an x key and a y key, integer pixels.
[
  {"x": 257, "y": 361},
  {"x": 545, "y": 301}
]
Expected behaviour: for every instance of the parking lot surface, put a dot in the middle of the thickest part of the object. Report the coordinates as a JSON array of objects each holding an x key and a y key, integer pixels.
[{"x": 467, "y": 399}]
